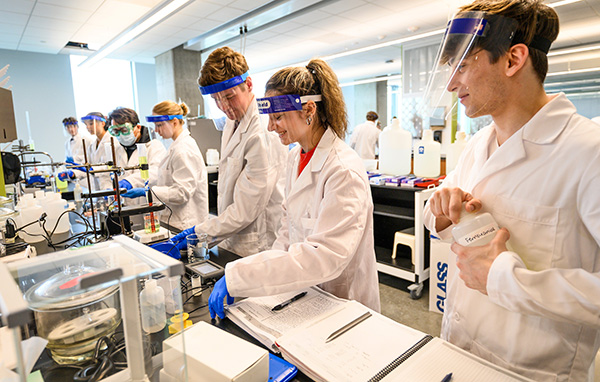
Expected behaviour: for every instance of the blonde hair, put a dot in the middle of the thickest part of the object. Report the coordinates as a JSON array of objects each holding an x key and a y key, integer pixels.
[
  {"x": 221, "y": 65},
  {"x": 170, "y": 108},
  {"x": 316, "y": 78}
]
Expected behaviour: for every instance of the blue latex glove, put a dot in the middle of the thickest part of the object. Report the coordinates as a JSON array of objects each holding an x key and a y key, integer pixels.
[
  {"x": 123, "y": 183},
  {"x": 215, "y": 301},
  {"x": 167, "y": 248},
  {"x": 36, "y": 179},
  {"x": 70, "y": 160},
  {"x": 135, "y": 192},
  {"x": 66, "y": 175},
  {"x": 181, "y": 238}
]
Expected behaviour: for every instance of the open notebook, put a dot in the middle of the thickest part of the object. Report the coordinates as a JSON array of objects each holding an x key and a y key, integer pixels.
[{"x": 377, "y": 349}]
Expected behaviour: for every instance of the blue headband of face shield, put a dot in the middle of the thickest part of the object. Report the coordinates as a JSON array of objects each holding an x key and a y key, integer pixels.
[
  {"x": 92, "y": 117},
  {"x": 65, "y": 124},
  {"x": 227, "y": 84},
  {"x": 160, "y": 118},
  {"x": 467, "y": 26},
  {"x": 283, "y": 103}
]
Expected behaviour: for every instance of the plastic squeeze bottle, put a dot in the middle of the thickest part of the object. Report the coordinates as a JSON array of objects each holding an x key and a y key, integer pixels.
[
  {"x": 474, "y": 228},
  {"x": 152, "y": 306}
]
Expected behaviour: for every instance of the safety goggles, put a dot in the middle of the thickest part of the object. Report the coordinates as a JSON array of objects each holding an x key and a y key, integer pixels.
[
  {"x": 93, "y": 117},
  {"x": 466, "y": 34},
  {"x": 161, "y": 118},
  {"x": 224, "y": 85},
  {"x": 123, "y": 129},
  {"x": 283, "y": 103}
]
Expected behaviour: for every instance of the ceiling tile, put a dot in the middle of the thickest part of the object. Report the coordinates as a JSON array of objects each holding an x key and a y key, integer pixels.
[
  {"x": 226, "y": 14},
  {"x": 86, "y": 5},
  {"x": 200, "y": 9},
  {"x": 17, "y": 6},
  {"x": 248, "y": 5},
  {"x": 204, "y": 25},
  {"x": 17, "y": 19},
  {"x": 60, "y": 13},
  {"x": 342, "y": 6},
  {"x": 8, "y": 45},
  {"x": 55, "y": 24}
]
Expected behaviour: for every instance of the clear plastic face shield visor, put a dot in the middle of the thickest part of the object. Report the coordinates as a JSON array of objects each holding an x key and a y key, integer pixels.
[
  {"x": 160, "y": 121},
  {"x": 224, "y": 93},
  {"x": 467, "y": 34},
  {"x": 91, "y": 122},
  {"x": 70, "y": 129}
]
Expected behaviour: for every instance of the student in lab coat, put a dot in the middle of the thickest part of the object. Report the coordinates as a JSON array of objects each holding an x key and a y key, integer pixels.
[
  {"x": 182, "y": 181},
  {"x": 125, "y": 126},
  {"x": 98, "y": 151},
  {"x": 529, "y": 300},
  {"x": 365, "y": 137},
  {"x": 252, "y": 165},
  {"x": 73, "y": 144},
  {"x": 326, "y": 238}
]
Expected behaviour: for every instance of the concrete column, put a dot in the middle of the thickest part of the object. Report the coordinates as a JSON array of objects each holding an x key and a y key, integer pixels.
[
  {"x": 177, "y": 74},
  {"x": 382, "y": 102}
]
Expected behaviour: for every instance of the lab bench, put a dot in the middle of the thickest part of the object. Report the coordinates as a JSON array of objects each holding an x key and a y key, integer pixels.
[{"x": 401, "y": 209}]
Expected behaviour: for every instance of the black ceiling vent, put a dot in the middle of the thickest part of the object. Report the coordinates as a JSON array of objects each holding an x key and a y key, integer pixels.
[{"x": 77, "y": 45}]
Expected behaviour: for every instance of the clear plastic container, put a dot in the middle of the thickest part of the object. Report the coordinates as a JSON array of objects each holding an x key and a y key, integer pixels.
[
  {"x": 455, "y": 150},
  {"x": 427, "y": 156},
  {"x": 394, "y": 150},
  {"x": 152, "y": 306},
  {"x": 475, "y": 228}
]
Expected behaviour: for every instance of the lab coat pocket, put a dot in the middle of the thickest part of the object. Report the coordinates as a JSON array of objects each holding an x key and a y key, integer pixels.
[
  {"x": 229, "y": 173},
  {"x": 532, "y": 230}
]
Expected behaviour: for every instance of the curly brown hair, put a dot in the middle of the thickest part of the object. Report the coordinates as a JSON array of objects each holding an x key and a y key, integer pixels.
[{"x": 221, "y": 65}]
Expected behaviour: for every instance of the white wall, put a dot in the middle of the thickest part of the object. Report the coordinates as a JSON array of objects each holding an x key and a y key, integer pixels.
[{"x": 41, "y": 84}]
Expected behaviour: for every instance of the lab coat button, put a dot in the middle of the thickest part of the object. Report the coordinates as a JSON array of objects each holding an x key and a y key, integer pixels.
[{"x": 456, "y": 317}]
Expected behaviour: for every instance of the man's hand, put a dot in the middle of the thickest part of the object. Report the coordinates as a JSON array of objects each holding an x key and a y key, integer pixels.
[
  {"x": 474, "y": 263},
  {"x": 446, "y": 203}
]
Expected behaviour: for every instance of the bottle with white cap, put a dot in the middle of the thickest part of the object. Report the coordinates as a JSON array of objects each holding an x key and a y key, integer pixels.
[
  {"x": 427, "y": 156},
  {"x": 474, "y": 228},
  {"x": 152, "y": 307},
  {"x": 394, "y": 150}
]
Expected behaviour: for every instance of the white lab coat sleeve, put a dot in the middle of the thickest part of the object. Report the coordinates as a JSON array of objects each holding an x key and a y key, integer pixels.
[
  {"x": 282, "y": 242},
  {"x": 156, "y": 153},
  {"x": 322, "y": 256},
  {"x": 186, "y": 169},
  {"x": 568, "y": 295},
  {"x": 252, "y": 190}
]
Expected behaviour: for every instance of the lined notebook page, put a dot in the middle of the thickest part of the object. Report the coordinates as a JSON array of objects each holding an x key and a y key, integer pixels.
[
  {"x": 438, "y": 358},
  {"x": 357, "y": 355}
]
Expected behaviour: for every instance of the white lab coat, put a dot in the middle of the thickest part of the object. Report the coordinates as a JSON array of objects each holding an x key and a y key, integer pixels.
[
  {"x": 96, "y": 154},
  {"x": 542, "y": 316},
  {"x": 183, "y": 183},
  {"x": 156, "y": 153},
  {"x": 326, "y": 238},
  {"x": 365, "y": 139},
  {"x": 250, "y": 188},
  {"x": 74, "y": 148}
]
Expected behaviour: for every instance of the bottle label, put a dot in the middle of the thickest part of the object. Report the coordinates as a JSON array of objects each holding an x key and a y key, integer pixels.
[
  {"x": 421, "y": 149},
  {"x": 475, "y": 237}
]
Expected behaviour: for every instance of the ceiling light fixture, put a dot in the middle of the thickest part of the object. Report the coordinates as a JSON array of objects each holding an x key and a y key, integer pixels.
[
  {"x": 155, "y": 16},
  {"x": 561, "y": 3},
  {"x": 576, "y": 71},
  {"x": 580, "y": 49}
]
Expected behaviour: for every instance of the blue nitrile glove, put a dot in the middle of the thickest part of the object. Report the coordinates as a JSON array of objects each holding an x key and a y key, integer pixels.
[
  {"x": 135, "y": 193},
  {"x": 123, "y": 183},
  {"x": 70, "y": 160},
  {"x": 36, "y": 179},
  {"x": 66, "y": 175},
  {"x": 215, "y": 301},
  {"x": 167, "y": 248},
  {"x": 180, "y": 239}
]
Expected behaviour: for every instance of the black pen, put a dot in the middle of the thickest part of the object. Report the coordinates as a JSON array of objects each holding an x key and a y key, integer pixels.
[
  {"x": 288, "y": 302},
  {"x": 447, "y": 378}
]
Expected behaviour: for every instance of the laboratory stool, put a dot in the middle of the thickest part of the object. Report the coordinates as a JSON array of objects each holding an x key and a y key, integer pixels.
[{"x": 405, "y": 237}]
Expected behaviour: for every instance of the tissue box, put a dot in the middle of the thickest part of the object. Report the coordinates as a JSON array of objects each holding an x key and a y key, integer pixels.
[{"x": 213, "y": 355}]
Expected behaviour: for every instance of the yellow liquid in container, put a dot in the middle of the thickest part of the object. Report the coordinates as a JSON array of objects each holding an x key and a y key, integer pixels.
[
  {"x": 145, "y": 174},
  {"x": 60, "y": 184}
]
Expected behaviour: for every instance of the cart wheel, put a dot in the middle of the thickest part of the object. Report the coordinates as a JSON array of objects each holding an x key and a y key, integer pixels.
[{"x": 416, "y": 291}]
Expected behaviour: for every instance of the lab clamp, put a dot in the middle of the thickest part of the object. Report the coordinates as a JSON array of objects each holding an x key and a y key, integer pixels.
[
  {"x": 24, "y": 152},
  {"x": 121, "y": 211}
]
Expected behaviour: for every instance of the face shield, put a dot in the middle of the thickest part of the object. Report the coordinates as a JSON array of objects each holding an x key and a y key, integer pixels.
[
  {"x": 70, "y": 129},
  {"x": 461, "y": 52},
  {"x": 91, "y": 122},
  {"x": 162, "y": 124},
  {"x": 284, "y": 103},
  {"x": 226, "y": 95}
]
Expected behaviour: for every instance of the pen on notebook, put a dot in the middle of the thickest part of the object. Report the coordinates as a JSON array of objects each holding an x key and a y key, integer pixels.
[
  {"x": 288, "y": 302},
  {"x": 347, "y": 327},
  {"x": 447, "y": 378}
]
